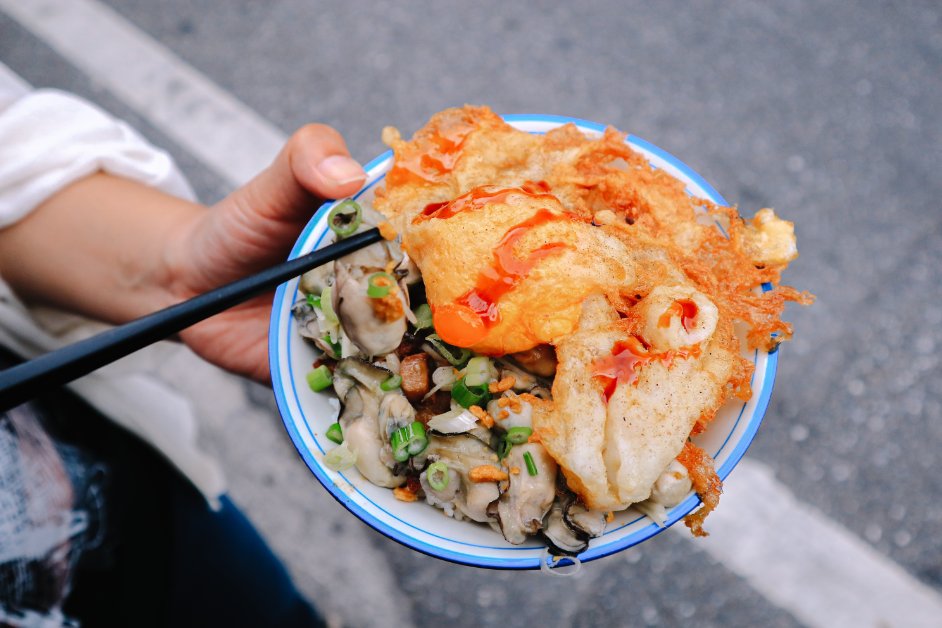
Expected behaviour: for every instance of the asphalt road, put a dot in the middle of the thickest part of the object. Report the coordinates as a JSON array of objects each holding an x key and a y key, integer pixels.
[{"x": 826, "y": 111}]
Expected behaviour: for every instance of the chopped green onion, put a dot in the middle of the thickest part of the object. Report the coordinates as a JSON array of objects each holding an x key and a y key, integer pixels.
[
  {"x": 423, "y": 316},
  {"x": 515, "y": 436},
  {"x": 408, "y": 441},
  {"x": 320, "y": 378},
  {"x": 454, "y": 355},
  {"x": 444, "y": 377},
  {"x": 327, "y": 305},
  {"x": 345, "y": 218},
  {"x": 419, "y": 441},
  {"x": 437, "y": 476},
  {"x": 478, "y": 372},
  {"x": 334, "y": 346},
  {"x": 379, "y": 285},
  {"x": 313, "y": 300},
  {"x": 392, "y": 383},
  {"x": 468, "y": 396},
  {"x": 455, "y": 421},
  {"x": 531, "y": 466},
  {"x": 340, "y": 458},
  {"x": 518, "y": 435},
  {"x": 334, "y": 433}
]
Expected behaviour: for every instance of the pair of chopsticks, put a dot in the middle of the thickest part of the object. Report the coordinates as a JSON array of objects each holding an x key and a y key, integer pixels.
[{"x": 26, "y": 381}]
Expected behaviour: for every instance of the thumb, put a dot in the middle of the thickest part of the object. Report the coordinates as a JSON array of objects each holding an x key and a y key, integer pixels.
[
  {"x": 314, "y": 165},
  {"x": 255, "y": 226}
]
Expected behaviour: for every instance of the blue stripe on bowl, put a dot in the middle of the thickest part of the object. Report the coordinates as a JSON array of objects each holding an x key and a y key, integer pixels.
[{"x": 281, "y": 314}]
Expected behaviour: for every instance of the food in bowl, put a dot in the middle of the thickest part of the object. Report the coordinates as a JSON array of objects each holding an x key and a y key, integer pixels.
[{"x": 547, "y": 324}]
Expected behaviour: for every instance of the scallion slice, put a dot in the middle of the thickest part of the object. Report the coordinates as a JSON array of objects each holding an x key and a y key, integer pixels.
[
  {"x": 437, "y": 476},
  {"x": 478, "y": 372},
  {"x": 340, "y": 458},
  {"x": 455, "y": 421},
  {"x": 327, "y": 305},
  {"x": 379, "y": 285},
  {"x": 334, "y": 346},
  {"x": 423, "y": 316},
  {"x": 468, "y": 396},
  {"x": 335, "y": 433},
  {"x": 408, "y": 441},
  {"x": 504, "y": 448},
  {"x": 320, "y": 378},
  {"x": 392, "y": 383},
  {"x": 454, "y": 356},
  {"x": 345, "y": 218},
  {"x": 443, "y": 377},
  {"x": 531, "y": 466},
  {"x": 313, "y": 300},
  {"x": 518, "y": 435}
]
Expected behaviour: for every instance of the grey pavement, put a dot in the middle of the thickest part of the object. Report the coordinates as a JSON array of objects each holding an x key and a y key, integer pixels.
[{"x": 826, "y": 111}]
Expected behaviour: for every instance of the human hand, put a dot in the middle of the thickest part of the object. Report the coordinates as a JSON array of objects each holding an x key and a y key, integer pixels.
[{"x": 251, "y": 229}]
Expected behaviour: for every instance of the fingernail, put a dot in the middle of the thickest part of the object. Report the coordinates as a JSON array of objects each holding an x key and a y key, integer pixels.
[{"x": 340, "y": 170}]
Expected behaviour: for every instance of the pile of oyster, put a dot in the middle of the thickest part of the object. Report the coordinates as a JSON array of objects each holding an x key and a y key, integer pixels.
[{"x": 521, "y": 494}]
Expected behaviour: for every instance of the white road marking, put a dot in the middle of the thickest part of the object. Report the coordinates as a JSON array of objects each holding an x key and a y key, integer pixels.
[
  {"x": 806, "y": 563},
  {"x": 792, "y": 554},
  {"x": 12, "y": 86},
  {"x": 216, "y": 128}
]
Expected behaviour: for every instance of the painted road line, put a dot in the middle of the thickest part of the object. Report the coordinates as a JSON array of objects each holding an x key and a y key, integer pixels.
[
  {"x": 792, "y": 554},
  {"x": 219, "y": 130},
  {"x": 12, "y": 86},
  {"x": 806, "y": 563}
]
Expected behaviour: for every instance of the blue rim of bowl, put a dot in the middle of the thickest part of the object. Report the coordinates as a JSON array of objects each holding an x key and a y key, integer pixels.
[{"x": 396, "y": 534}]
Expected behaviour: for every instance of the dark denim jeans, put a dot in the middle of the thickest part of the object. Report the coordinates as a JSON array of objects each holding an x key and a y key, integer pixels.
[{"x": 154, "y": 553}]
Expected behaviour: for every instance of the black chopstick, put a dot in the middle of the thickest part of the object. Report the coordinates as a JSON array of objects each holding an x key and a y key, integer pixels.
[{"x": 25, "y": 381}]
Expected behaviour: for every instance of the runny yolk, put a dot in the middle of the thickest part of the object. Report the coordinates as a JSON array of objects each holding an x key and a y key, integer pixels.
[
  {"x": 479, "y": 198},
  {"x": 621, "y": 366},
  {"x": 465, "y": 322},
  {"x": 439, "y": 158},
  {"x": 458, "y": 324},
  {"x": 685, "y": 309}
]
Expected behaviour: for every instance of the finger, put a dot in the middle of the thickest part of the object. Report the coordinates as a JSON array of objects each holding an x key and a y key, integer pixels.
[
  {"x": 256, "y": 225},
  {"x": 314, "y": 165}
]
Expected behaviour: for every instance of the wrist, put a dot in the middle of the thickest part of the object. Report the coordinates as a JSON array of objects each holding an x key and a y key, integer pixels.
[
  {"x": 145, "y": 276},
  {"x": 177, "y": 260},
  {"x": 99, "y": 248}
]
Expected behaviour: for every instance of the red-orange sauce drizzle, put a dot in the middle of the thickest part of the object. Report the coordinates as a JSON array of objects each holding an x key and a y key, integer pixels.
[
  {"x": 536, "y": 187},
  {"x": 627, "y": 357},
  {"x": 478, "y": 198},
  {"x": 507, "y": 269},
  {"x": 621, "y": 366},
  {"x": 434, "y": 163},
  {"x": 685, "y": 309},
  {"x": 464, "y": 322}
]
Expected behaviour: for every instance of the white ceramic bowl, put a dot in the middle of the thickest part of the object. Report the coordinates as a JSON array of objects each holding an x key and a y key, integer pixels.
[{"x": 307, "y": 414}]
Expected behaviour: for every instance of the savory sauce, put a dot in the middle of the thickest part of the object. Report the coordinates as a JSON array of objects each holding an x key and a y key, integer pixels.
[
  {"x": 627, "y": 357},
  {"x": 683, "y": 308},
  {"x": 431, "y": 165},
  {"x": 466, "y": 321},
  {"x": 479, "y": 198},
  {"x": 621, "y": 366}
]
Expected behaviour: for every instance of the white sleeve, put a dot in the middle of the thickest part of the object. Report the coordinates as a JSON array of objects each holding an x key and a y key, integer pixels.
[{"x": 49, "y": 139}]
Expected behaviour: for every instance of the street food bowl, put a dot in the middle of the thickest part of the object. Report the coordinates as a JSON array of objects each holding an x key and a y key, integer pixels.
[{"x": 307, "y": 414}]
